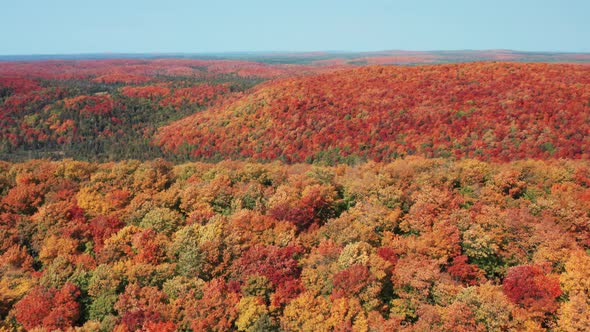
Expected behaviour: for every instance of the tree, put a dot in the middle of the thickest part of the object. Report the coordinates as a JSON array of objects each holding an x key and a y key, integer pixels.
[
  {"x": 254, "y": 316},
  {"x": 489, "y": 305},
  {"x": 574, "y": 314},
  {"x": 49, "y": 308},
  {"x": 162, "y": 220},
  {"x": 532, "y": 288},
  {"x": 306, "y": 313},
  {"x": 216, "y": 311},
  {"x": 139, "y": 306}
]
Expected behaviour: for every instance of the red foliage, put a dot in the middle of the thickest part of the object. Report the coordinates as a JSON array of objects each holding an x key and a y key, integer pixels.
[
  {"x": 26, "y": 196},
  {"x": 530, "y": 287},
  {"x": 18, "y": 102},
  {"x": 159, "y": 327},
  {"x": 133, "y": 71},
  {"x": 50, "y": 308},
  {"x": 149, "y": 249},
  {"x": 91, "y": 105},
  {"x": 141, "y": 306},
  {"x": 392, "y": 260},
  {"x": 351, "y": 281},
  {"x": 18, "y": 84},
  {"x": 465, "y": 272},
  {"x": 65, "y": 311},
  {"x": 9, "y": 234},
  {"x": 422, "y": 57},
  {"x": 34, "y": 307},
  {"x": 397, "y": 59},
  {"x": 201, "y": 94},
  {"x": 493, "y": 111},
  {"x": 151, "y": 92},
  {"x": 306, "y": 210},
  {"x": 216, "y": 311},
  {"x": 389, "y": 254},
  {"x": 102, "y": 228},
  {"x": 16, "y": 257},
  {"x": 75, "y": 213},
  {"x": 277, "y": 264},
  {"x": 301, "y": 216}
]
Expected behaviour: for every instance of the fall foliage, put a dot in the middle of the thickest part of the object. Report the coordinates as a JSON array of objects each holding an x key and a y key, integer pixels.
[
  {"x": 309, "y": 193},
  {"x": 488, "y": 111},
  {"x": 412, "y": 244}
]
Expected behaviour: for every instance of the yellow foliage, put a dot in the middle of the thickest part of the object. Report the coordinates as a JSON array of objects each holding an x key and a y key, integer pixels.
[
  {"x": 89, "y": 326},
  {"x": 306, "y": 313},
  {"x": 250, "y": 311},
  {"x": 490, "y": 306},
  {"x": 379, "y": 267},
  {"x": 473, "y": 171},
  {"x": 93, "y": 202},
  {"x": 54, "y": 246},
  {"x": 355, "y": 253},
  {"x": 346, "y": 313},
  {"x": 75, "y": 170},
  {"x": 13, "y": 286},
  {"x": 574, "y": 315},
  {"x": 576, "y": 279}
]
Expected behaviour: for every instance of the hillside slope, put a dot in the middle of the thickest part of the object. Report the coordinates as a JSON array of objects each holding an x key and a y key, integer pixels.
[
  {"x": 109, "y": 109},
  {"x": 491, "y": 111}
]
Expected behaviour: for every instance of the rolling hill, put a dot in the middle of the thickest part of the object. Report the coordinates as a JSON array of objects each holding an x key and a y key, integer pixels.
[{"x": 491, "y": 111}]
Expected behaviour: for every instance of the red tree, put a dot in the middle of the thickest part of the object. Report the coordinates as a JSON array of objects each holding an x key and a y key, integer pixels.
[{"x": 530, "y": 287}]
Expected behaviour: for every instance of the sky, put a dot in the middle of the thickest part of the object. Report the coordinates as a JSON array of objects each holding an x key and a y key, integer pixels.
[{"x": 182, "y": 26}]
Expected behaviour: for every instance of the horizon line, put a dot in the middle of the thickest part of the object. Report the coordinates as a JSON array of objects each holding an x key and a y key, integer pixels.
[{"x": 278, "y": 52}]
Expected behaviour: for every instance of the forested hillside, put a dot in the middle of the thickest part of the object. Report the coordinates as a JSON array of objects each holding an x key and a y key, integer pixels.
[
  {"x": 212, "y": 110},
  {"x": 489, "y": 111},
  {"x": 417, "y": 244},
  {"x": 109, "y": 109}
]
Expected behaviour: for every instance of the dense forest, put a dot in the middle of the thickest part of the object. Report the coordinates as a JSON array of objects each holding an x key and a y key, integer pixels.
[
  {"x": 416, "y": 244},
  {"x": 212, "y": 110},
  {"x": 296, "y": 193},
  {"x": 107, "y": 110},
  {"x": 489, "y": 111}
]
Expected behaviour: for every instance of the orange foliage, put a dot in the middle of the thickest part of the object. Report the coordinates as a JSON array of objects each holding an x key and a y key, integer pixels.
[
  {"x": 201, "y": 94},
  {"x": 90, "y": 105},
  {"x": 152, "y": 92},
  {"x": 490, "y": 111},
  {"x": 421, "y": 243}
]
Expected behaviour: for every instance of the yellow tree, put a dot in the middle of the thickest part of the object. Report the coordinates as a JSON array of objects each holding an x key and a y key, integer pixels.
[{"x": 574, "y": 314}]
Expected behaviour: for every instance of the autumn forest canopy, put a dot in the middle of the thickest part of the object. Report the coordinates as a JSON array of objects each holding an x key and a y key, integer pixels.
[
  {"x": 386, "y": 191},
  {"x": 313, "y": 110}
]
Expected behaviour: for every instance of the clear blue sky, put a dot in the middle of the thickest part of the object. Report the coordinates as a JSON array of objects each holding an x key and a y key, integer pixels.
[{"x": 137, "y": 26}]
